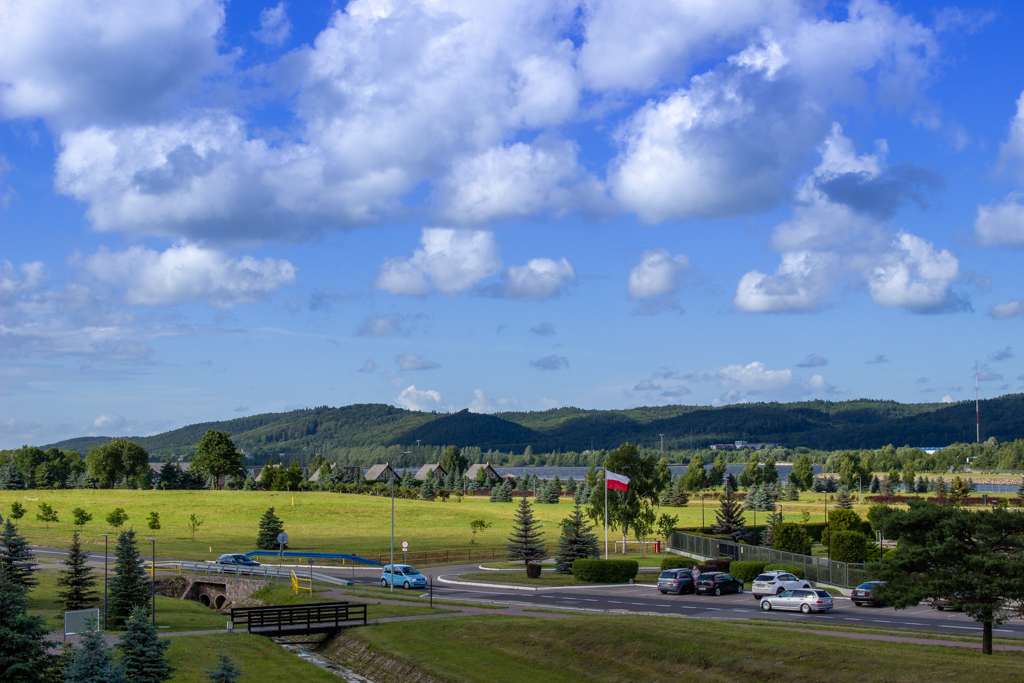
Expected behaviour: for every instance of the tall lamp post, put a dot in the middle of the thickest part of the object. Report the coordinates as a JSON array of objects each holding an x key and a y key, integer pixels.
[
  {"x": 105, "y": 545},
  {"x": 391, "y": 475},
  {"x": 152, "y": 580}
]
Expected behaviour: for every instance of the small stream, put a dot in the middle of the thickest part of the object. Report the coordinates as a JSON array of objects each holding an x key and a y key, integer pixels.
[{"x": 338, "y": 670}]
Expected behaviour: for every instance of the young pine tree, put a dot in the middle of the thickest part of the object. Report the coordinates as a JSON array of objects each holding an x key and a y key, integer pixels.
[
  {"x": 128, "y": 587},
  {"x": 226, "y": 671},
  {"x": 768, "y": 534},
  {"x": 680, "y": 497},
  {"x": 270, "y": 527},
  {"x": 93, "y": 662},
  {"x": 792, "y": 490},
  {"x": 576, "y": 543},
  {"x": 844, "y": 500},
  {"x": 75, "y": 584},
  {"x": 143, "y": 654},
  {"x": 729, "y": 518},
  {"x": 23, "y": 646},
  {"x": 16, "y": 560},
  {"x": 427, "y": 491},
  {"x": 526, "y": 543}
]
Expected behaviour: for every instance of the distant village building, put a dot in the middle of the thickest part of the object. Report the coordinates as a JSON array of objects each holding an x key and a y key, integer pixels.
[
  {"x": 471, "y": 473},
  {"x": 741, "y": 445},
  {"x": 381, "y": 472},
  {"x": 436, "y": 468}
]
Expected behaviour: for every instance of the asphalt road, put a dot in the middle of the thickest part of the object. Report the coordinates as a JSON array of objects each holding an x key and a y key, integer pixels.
[{"x": 640, "y": 598}]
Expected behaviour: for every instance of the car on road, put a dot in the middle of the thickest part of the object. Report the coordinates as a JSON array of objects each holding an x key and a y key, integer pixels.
[
  {"x": 774, "y": 582},
  {"x": 864, "y": 594},
  {"x": 945, "y": 603},
  {"x": 716, "y": 583},
  {"x": 802, "y": 600},
  {"x": 676, "y": 581},
  {"x": 237, "y": 560},
  {"x": 404, "y": 576}
]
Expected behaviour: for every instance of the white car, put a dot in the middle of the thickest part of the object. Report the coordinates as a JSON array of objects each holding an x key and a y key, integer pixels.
[
  {"x": 806, "y": 601},
  {"x": 774, "y": 582}
]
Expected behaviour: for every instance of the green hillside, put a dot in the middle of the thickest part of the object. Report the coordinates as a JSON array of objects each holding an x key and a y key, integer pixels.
[{"x": 821, "y": 425}]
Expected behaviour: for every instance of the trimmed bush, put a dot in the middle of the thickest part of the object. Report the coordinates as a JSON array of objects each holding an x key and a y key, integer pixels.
[
  {"x": 532, "y": 570},
  {"x": 792, "y": 538},
  {"x": 796, "y": 571},
  {"x": 677, "y": 562},
  {"x": 720, "y": 564},
  {"x": 849, "y": 546},
  {"x": 605, "y": 571},
  {"x": 746, "y": 571}
]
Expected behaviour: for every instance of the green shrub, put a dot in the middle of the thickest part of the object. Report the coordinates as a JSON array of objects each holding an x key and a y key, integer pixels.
[
  {"x": 796, "y": 571},
  {"x": 605, "y": 571},
  {"x": 719, "y": 564},
  {"x": 844, "y": 520},
  {"x": 746, "y": 571},
  {"x": 792, "y": 538},
  {"x": 677, "y": 562},
  {"x": 849, "y": 546}
]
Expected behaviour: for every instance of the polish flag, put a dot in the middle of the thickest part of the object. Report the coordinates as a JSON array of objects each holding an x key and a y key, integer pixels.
[{"x": 616, "y": 482}]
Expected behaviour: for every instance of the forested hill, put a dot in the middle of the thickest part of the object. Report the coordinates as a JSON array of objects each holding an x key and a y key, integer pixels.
[{"x": 820, "y": 425}]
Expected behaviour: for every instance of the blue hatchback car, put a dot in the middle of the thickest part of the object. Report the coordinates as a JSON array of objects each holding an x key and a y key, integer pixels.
[
  {"x": 237, "y": 560},
  {"x": 404, "y": 576}
]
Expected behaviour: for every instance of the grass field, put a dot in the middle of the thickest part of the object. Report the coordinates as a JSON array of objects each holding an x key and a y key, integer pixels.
[
  {"x": 260, "y": 659},
  {"x": 605, "y": 649},
  {"x": 317, "y": 522},
  {"x": 546, "y": 579}
]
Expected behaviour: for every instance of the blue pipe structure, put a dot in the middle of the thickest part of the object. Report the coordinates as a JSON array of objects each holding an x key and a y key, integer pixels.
[{"x": 324, "y": 556}]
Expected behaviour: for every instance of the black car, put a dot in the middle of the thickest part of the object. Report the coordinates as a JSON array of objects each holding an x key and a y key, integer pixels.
[
  {"x": 864, "y": 594},
  {"x": 676, "y": 581},
  {"x": 716, "y": 583}
]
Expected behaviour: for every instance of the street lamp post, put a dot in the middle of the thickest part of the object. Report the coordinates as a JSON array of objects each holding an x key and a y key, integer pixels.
[
  {"x": 105, "y": 539},
  {"x": 391, "y": 475},
  {"x": 152, "y": 580}
]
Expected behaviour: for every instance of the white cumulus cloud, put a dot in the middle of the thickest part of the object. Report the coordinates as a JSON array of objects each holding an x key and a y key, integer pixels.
[
  {"x": 657, "y": 274},
  {"x": 109, "y": 421},
  {"x": 915, "y": 275},
  {"x": 755, "y": 381},
  {"x": 450, "y": 261},
  {"x": 422, "y": 400},
  {"x": 482, "y": 403},
  {"x": 275, "y": 27},
  {"x": 1009, "y": 309},
  {"x": 414, "y": 361},
  {"x": 540, "y": 278},
  {"x": 1001, "y": 223}
]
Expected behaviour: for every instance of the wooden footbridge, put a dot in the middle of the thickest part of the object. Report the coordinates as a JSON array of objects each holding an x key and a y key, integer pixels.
[{"x": 299, "y": 620}]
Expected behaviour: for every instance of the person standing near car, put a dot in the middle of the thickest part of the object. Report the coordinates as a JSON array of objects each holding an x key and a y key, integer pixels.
[{"x": 696, "y": 573}]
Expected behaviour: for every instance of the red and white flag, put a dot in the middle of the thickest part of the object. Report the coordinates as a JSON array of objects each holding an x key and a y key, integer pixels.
[{"x": 616, "y": 482}]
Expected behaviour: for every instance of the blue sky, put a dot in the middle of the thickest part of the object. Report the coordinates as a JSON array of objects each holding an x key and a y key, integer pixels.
[{"x": 212, "y": 210}]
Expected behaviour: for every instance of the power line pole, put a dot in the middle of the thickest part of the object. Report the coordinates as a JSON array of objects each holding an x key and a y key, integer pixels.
[
  {"x": 977, "y": 410},
  {"x": 662, "y": 443}
]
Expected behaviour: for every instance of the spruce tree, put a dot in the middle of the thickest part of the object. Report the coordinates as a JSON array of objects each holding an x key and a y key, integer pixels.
[
  {"x": 75, "y": 584},
  {"x": 226, "y": 671},
  {"x": 541, "y": 494},
  {"x": 729, "y": 518},
  {"x": 768, "y": 534},
  {"x": 576, "y": 543},
  {"x": 876, "y": 485},
  {"x": 249, "y": 484},
  {"x": 16, "y": 560},
  {"x": 792, "y": 490},
  {"x": 143, "y": 654},
  {"x": 270, "y": 527},
  {"x": 427, "y": 491},
  {"x": 526, "y": 543},
  {"x": 751, "y": 501},
  {"x": 665, "y": 498},
  {"x": 10, "y": 477},
  {"x": 570, "y": 485},
  {"x": 93, "y": 662},
  {"x": 128, "y": 587},
  {"x": 680, "y": 497},
  {"x": 23, "y": 646},
  {"x": 582, "y": 494},
  {"x": 844, "y": 500},
  {"x": 1020, "y": 489}
]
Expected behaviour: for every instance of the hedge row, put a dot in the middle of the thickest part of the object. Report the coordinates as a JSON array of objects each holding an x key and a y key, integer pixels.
[
  {"x": 605, "y": 571},
  {"x": 746, "y": 571}
]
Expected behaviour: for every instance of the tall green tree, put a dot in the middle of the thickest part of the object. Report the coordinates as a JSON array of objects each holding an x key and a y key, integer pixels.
[
  {"x": 116, "y": 459},
  {"x": 716, "y": 475},
  {"x": 577, "y": 541},
  {"x": 769, "y": 474},
  {"x": 143, "y": 654},
  {"x": 976, "y": 559},
  {"x": 802, "y": 472},
  {"x": 216, "y": 456},
  {"x": 751, "y": 474},
  {"x": 526, "y": 542},
  {"x": 75, "y": 585},
  {"x": 128, "y": 588},
  {"x": 23, "y": 646},
  {"x": 646, "y": 482},
  {"x": 453, "y": 461},
  {"x": 695, "y": 475},
  {"x": 93, "y": 661},
  {"x": 270, "y": 526},
  {"x": 16, "y": 559},
  {"x": 729, "y": 517}
]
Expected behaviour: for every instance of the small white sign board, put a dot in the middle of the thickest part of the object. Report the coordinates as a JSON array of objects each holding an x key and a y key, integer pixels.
[
  {"x": 81, "y": 621},
  {"x": 405, "y": 546}
]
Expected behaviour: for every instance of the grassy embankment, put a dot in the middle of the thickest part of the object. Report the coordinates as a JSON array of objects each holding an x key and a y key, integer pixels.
[{"x": 599, "y": 648}]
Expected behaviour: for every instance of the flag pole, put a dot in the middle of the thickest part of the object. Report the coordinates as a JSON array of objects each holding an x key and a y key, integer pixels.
[{"x": 606, "y": 513}]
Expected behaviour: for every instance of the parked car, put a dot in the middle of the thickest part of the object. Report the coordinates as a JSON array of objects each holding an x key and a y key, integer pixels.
[
  {"x": 774, "y": 582},
  {"x": 404, "y": 576},
  {"x": 945, "y": 603},
  {"x": 716, "y": 583},
  {"x": 864, "y": 594},
  {"x": 676, "y": 581},
  {"x": 237, "y": 560},
  {"x": 806, "y": 601}
]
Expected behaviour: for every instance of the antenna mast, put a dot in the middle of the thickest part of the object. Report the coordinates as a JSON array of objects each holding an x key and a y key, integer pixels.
[{"x": 977, "y": 412}]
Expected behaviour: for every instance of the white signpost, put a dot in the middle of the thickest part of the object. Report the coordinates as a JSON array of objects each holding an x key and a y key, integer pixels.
[
  {"x": 81, "y": 621},
  {"x": 405, "y": 549},
  {"x": 282, "y": 541}
]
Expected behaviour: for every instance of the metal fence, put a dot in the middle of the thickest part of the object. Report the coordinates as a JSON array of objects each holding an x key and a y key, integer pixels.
[{"x": 817, "y": 569}]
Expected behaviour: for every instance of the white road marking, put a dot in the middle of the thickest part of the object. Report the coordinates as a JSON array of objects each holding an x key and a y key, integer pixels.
[{"x": 972, "y": 628}]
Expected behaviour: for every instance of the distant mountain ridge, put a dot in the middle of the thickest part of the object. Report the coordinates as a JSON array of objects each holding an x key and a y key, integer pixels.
[{"x": 823, "y": 425}]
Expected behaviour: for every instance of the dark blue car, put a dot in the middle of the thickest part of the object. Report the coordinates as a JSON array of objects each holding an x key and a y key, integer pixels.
[{"x": 237, "y": 561}]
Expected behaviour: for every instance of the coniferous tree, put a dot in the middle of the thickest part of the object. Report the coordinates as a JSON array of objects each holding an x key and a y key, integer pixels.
[
  {"x": 751, "y": 474},
  {"x": 582, "y": 495},
  {"x": 729, "y": 518},
  {"x": 844, "y": 500},
  {"x": 716, "y": 475},
  {"x": 128, "y": 587},
  {"x": 23, "y": 646},
  {"x": 526, "y": 543},
  {"x": 751, "y": 501},
  {"x": 802, "y": 472},
  {"x": 16, "y": 560},
  {"x": 768, "y": 533},
  {"x": 1020, "y": 489},
  {"x": 226, "y": 671},
  {"x": 250, "y": 483},
  {"x": 270, "y": 527},
  {"x": 427, "y": 491},
  {"x": 75, "y": 584},
  {"x": 576, "y": 543},
  {"x": 680, "y": 497},
  {"x": 570, "y": 485},
  {"x": 665, "y": 497},
  {"x": 770, "y": 475},
  {"x": 792, "y": 490},
  {"x": 93, "y": 661},
  {"x": 170, "y": 476},
  {"x": 876, "y": 484},
  {"x": 143, "y": 654},
  {"x": 10, "y": 477}
]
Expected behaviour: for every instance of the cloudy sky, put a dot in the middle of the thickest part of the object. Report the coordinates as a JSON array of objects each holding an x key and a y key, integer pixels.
[{"x": 212, "y": 210}]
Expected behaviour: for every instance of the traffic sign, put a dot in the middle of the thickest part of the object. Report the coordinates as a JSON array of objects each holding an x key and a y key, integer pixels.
[
  {"x": 405, "y": 546},
  {"x": 282, "y": 538}
]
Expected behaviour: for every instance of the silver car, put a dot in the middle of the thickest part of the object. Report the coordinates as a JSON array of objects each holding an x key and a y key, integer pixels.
[{"x": 803, "y": 600}]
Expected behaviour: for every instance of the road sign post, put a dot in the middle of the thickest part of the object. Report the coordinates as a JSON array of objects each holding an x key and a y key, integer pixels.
[
  {"x": 282, "y": 541},
  {"x": 405, "y": 549}
]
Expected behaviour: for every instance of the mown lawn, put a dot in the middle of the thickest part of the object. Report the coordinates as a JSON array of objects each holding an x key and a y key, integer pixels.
[
  {"x": 546, "y": 579},
  {"x": 318, "y": 522},
  {"x": 605, "y": 649},
  {"x": 260, "y": 659},
  {"x": 284, "y": 595}
]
